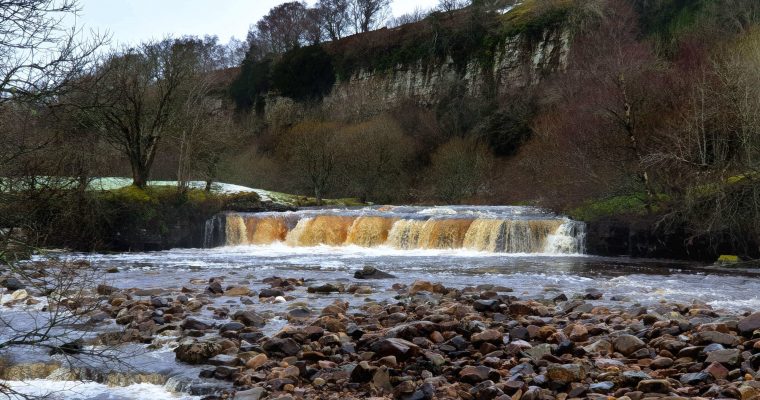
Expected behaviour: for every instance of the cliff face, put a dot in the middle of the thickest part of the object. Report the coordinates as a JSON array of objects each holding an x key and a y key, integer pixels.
[{"x": 516, "y": 63}]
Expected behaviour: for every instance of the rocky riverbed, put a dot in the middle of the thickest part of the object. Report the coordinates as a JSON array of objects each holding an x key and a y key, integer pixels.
[{"x": 373, "y": 336}]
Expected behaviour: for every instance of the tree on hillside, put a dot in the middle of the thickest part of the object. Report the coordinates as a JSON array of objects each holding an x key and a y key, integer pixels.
[
  {"x": 335, "y": 17},
  {"x": 283, "y": 28},
  {"x": 451, "y": 5},
  {"x": 417, "y": 15},
  {"x": 134, "y": 96},
  {"x": 368, "y": 14},
  {"x": 460, "y": 169}
]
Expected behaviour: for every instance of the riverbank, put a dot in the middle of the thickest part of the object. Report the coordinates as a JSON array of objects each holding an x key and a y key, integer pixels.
[{"x": 332, "y": 333}]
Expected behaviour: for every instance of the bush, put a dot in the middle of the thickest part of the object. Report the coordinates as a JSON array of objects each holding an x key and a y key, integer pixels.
[
  {"x": 460, "y": 170},
  {"x": 304, "y": 74}
]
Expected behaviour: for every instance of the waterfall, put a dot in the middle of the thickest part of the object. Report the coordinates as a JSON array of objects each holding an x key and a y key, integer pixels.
[{"x": 487, "y": 229}]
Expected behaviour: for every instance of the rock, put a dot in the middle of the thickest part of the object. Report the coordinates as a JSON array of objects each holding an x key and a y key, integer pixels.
[
  {"x": 696, "y": 378},
  {"x": 601, "y": 387},
  {"x": 223, "y": 360},
  {"x": 632, "y": 378},
  {"x": 565, "y": 374},
  {"x": 627, "y": 344},
  {"x": 717, "y": 370},
  {"x": 716, "y": 337},
  {"x": 237, "y": 291},
  {"x": 105, "y": 290},
  {"x": 256, "y": 393},
  {"x": 249, "y": 318},
  {"x": 489, "y": 335},
  {"x": 231, "y": 326},
  {"x": 382, "y": 380},
  {"x": 728, "y": 357},
  {"x": 271, "y": 293},
  {"x": 300, "y": 314},
  {"x": 326, "y": 288},
  {"x": 363, "y": 373},
  {"x": 593, "y": 294},
  {"x": 400, "y": 348},
  {"x": 486, "y": 305},
  {"x": 538, "y": 352},
  {"x": 288, "y": 347},
  {"x": 661, "y": 363},
  {"x": 654, "y": 386},
  {"x": 12, "y": 284},
  {"x": 749, "y": 324},
  {"x": 197, "y": 352},
  {"x": 19, "y": 294},
  {"x": 370, "y": 272},
  {"x": 476, "y": 374},
  {"x": 257, "y": 361},
  {"x": 421, "y": 286},
  {"x": 578, "y": 333},
  {"x": 215, "y": 287},
  {"x": 195, "y": 324}
]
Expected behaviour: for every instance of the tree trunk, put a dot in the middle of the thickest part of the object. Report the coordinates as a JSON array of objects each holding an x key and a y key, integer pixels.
[{"x": 139, "y": 176}]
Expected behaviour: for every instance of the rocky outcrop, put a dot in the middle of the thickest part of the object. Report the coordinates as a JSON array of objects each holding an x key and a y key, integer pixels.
[{"x": 518, "y": 62}]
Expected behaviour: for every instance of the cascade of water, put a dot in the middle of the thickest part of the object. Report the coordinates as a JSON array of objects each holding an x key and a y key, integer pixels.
[
  {"x": 490, "y": 229},
  {"x": 235, "y": 230},
  {"x": 370, "y": 231}
]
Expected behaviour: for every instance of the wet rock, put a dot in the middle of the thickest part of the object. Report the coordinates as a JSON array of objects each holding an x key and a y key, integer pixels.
[
  {"x": 215, "y": 287},
  {"x": 197, "y": 352},
  {"x": 159, "y": 302},
  {"x": 593, "y": 294},
  {"x": 749, "y": 324},
  {"x": 287, "y": 347},
  {"x": 326, "y": 288},
  {"x": 231, "y": 326},
  {"x": 74, "y": 347},
  {"x": 223, "y": 360},
  {"x": 105, "y": 290},
  {"x": 271, "y": 293},
  {"x": 196, "y": 324},
  {"x": 425, "y": 286},
  {"x": 370, "y": 272},
  {"x": 627, "y": 344},
  {"x": 654, "y": 386},
  {"x": 237, "y": 291},
  {"x": 249, "y": 318}
]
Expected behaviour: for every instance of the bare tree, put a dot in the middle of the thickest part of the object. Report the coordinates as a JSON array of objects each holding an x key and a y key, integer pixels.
[
  {"x": 417, "y": 15},
  {"x": 39, "y": 55},
  {"x": 368, "y": 14},
  {"x": 135, "y": 94},
  {"x": 335, "y": 17},
  {"x": 311, "y": 147},
  {"x": 282, "y": 29},
  {"x": 452, "y": 5}
]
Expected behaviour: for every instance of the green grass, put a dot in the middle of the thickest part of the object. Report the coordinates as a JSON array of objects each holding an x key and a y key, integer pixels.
[{"x": 634, "y": 204}]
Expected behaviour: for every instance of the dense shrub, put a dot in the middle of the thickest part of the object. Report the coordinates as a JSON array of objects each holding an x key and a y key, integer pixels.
[{"x": 304, "y": 74}]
